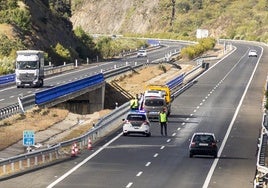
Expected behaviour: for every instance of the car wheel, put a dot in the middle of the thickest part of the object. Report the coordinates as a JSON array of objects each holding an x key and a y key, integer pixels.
[
  {"x": 191, "y": 155},
  {"x": 124, "y": 134},
  {"x": 215, "y": 155},
  {"x": 148, "y": 134}
]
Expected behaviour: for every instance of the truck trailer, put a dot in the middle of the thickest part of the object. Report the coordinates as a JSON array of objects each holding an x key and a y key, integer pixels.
[{"x": 30, "y": 68}]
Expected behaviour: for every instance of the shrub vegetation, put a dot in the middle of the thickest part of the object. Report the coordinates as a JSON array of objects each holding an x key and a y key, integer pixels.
[{"x": 198, "y": 49}]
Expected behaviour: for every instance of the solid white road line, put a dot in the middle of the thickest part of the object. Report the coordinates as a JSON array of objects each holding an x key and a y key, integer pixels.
[
  {"x": 83, "y": 162},
  {"x": 215, "y": 162}
]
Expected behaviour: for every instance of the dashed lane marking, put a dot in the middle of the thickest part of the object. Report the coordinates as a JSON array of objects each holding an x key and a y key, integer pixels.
[{"x": 129, "y": 184}]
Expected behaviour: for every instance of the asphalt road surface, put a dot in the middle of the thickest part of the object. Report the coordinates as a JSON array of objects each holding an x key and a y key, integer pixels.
[{"x": 225, "y": 100}]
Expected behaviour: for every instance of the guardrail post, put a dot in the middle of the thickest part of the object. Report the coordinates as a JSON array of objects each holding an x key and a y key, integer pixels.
[
  {"x": 20, "y": 164},
  {"x": 43, "y": 158},
  {"x": 28, "y": 162},
  {"x": 56, "y": 155},
  {"x": 35, "y": 160},
  {"x": 50, "y": 156},
  {"x": 126, "y": 63},
  {"x": 4, "y": 169},
  {"x": 12, "y": 167}
]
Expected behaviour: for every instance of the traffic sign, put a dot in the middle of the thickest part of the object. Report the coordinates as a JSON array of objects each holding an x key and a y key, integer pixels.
[{"x": 28, "y": 138}]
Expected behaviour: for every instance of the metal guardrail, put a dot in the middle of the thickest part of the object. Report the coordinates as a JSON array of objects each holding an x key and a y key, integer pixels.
[
  {"x": 7, "y": 79},
  {"x": 21, "y": 163},
  {"x": 13, "y": 109},
  {"x": 261, "y": 178},
  {"x": 262, "y": 170},
  {"x": 10, "y": 78},
  {"x": 62, "y": 90}
]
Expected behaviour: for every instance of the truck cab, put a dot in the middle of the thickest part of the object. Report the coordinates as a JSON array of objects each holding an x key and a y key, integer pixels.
[{"x": 29, "y": 68}]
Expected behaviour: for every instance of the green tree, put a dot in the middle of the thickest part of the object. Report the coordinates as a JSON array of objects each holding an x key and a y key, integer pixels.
[{"x": 62, "y": 52}]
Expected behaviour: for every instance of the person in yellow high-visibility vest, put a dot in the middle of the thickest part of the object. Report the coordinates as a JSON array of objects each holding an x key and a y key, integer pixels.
[
  {"x": 134, "y": 104},
  {"x": 163, "y": 121}
]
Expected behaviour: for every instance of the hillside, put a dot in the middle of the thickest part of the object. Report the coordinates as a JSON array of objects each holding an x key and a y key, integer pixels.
[
  {"x": 236, "y": 19},
  {"x": 63, "y": 28}
]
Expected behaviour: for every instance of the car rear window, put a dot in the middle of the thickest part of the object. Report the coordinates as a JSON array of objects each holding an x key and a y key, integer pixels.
[
  {"x": 136, "y": 117},
  {"x": 154, "y": 102},
  {"x": 203, "y": 138}
]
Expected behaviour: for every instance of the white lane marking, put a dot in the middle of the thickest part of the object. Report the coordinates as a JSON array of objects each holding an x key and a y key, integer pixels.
[
  {"x": 168, "y": 140},
  {"x": 174, "y": 134},
  {"x": 83, "y": 162},
  {"x": 179, "y": 129},
  {"x": 139, "y": 174},
  {"x": 183, "y": 123},
  {"x": 148, "y": 164},
  {"x": 29, "y": 92},
  {"x": 197, "y": 107},
  {"x": 2, "y": 99},
  {"x": 215, "y": 162},
  {"x": 11, "y": 97},
  {"x": 162, "y": 147},
  {"x": 155, "y": 155},
  {"x": 191, "y": 115},
  {"x": 201, "y": 104},
  {"x": 187, "y": 119},
  {"x": 129, "y": 184},
  {"x": 195, "y": 111}
]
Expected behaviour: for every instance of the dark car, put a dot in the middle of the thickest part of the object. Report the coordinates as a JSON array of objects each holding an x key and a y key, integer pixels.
[{"x": 203, "y": 144}]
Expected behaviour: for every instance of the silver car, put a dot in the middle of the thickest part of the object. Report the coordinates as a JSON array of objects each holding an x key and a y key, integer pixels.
[
  {"x": 153, "y": 105},
  {"x": 142, "y": 53}
]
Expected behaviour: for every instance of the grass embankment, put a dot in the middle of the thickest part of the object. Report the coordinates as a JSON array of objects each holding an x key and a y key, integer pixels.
[{"x": 11, "y": 129}]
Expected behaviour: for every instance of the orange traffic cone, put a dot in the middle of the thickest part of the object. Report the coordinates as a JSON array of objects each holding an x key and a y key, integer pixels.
[
  {"x": 74, "y": 150},
  {"x": 73, "y": 153},
  {"x": 89, "y": 144}
]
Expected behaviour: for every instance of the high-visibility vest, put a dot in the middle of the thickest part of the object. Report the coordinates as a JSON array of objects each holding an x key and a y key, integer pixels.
[
  {"x": 163, "y": 117},
  {"x": 134, "y": 103}
]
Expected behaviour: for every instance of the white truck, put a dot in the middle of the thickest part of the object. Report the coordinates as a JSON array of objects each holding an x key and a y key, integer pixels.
[{"x": 30, "y": 68}]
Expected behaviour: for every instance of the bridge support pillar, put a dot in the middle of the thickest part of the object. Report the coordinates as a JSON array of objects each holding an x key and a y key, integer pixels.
[{"x": 86, "y": 103}]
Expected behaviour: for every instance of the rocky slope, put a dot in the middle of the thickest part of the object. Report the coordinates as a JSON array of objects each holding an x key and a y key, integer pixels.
[{"x": 116, "y": 16}]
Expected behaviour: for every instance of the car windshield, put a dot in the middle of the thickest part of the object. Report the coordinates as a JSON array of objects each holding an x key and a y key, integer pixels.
[
  {"x": 154, "y": 102},
  {"x": 136, "y": 117},
  {"x": 203, "y": 138}
]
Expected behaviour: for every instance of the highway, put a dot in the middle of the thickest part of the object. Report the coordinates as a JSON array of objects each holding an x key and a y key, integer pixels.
[
  {"x": 225, "y": 100},
  {"x": 9, "y": 95}
]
